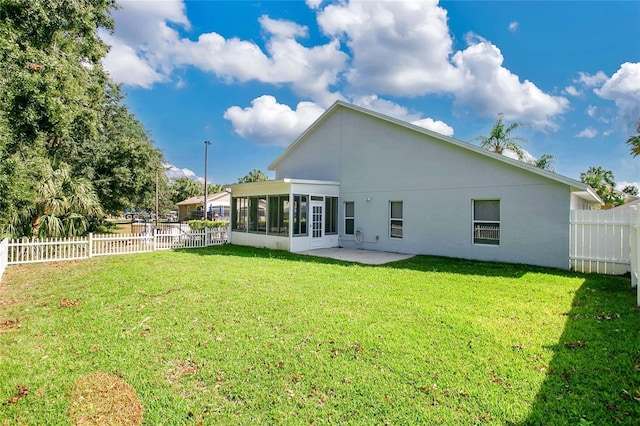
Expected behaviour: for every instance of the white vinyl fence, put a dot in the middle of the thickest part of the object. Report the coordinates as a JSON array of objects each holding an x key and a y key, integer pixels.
[
  {"x": 4, "y": 250},
  {"x": 606, "y": 242},
  {"x": 58, "y": 249}
]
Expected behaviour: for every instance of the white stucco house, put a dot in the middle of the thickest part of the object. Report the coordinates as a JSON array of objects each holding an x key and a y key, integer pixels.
[{"x": 359, "y": 179}]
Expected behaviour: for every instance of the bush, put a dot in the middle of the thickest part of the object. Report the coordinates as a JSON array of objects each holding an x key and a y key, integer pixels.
[{"x": 199, "y": 225}]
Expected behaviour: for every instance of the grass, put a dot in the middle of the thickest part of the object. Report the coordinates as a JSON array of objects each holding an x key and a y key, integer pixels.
[{"x": 235, "y": 335}]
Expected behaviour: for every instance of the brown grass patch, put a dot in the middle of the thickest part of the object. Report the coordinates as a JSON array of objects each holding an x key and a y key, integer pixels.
[
  {"x": 10, "y": 325},
  {"x": 66, "y": 303},
  {"x": 102, "y": 399}
]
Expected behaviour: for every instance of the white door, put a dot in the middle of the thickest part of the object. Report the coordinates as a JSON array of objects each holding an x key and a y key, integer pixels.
[{"x": 317, "y": 224}]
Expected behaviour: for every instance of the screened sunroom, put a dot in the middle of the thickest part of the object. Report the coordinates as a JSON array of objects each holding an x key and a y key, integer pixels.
[{"x": 288, "y": 214}]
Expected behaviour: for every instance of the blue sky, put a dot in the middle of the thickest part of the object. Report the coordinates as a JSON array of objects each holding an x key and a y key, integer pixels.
[{"x": 250, "y": 76}]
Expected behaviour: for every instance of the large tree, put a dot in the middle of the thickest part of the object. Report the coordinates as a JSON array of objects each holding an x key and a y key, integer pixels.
[
  {"x": 501, "y": 139},
  {"x": 183, "y": 188},
  {"x": 603, "y": 182},
  {"x": 57, "y": 105}
]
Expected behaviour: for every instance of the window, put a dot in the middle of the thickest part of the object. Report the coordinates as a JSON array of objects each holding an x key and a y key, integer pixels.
[
  {"x": 349, "y": 217},
  {"x": 330, "y": 215},
  {"x": 300, "y": 215},
  {"x": 395, "y": 219},
  {"x": 278, "y": 215},
  {"x": 486, "y": 222},
  {"x": 239, "y": 214},
  {"x": 258, "y": 214}
]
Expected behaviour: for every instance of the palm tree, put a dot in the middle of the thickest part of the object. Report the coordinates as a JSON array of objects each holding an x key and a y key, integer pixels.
[
  {"x": 254, "y": 175},
  {"x": 545, "y": 162},
  {"x": 63, "y": 203},
  {"x": 634, "y": 142},
  {"x": 603, "y": 182},
  {"x": 500, "y": 138}
]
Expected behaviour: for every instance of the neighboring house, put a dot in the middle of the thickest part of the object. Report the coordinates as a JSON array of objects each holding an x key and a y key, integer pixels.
[
  {"x": 357, "y": 178},
  {"x": 630, "y": 202},
  {"x": 218, "y": 204}
]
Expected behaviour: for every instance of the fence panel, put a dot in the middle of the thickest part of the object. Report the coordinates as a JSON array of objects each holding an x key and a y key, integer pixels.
[
  {"x": 600, "y": 241},
  {"x": 47, "y": 250},
  {"x": 24, "y": 250},
  {"x": 108, "y": 244}
]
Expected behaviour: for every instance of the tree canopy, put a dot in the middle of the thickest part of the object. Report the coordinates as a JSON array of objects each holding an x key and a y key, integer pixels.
[
  {"x": 603, "y": 182},
  {"x": 254, "y": 175},
  {"x": 59, "y": 112}
]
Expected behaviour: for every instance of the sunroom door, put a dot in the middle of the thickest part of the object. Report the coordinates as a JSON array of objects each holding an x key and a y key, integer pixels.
[{"x": 317, "y": 223}]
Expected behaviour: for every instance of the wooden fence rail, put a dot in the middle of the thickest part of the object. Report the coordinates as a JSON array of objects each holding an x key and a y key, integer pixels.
[{"x": 19, "y": 251}]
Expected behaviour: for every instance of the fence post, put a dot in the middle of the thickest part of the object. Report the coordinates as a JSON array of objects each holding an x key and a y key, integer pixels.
[
  {"x": 155, "y": 238},
  {"x": 634, "y": 248},
  {"x": 4, "y": 255},
  {"x": 90, "y": 244}
]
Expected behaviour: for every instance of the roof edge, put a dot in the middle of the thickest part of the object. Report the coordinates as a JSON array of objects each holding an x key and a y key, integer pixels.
[{"x": 465, "y": 145}]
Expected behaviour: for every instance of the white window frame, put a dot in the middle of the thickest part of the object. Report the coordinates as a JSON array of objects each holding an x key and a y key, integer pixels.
[
  {"x": 353, "y": 218},
  {"x": 475, "y": 222},
  {"x": 396, "y": 219}
]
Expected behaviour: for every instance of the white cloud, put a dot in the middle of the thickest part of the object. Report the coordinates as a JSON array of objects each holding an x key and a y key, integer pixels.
[
  {"x": 281, "y": 28},
  {"x": 572, "y": 91},
  {"x": 624, "y": 89},
  {"x": 489, "y": 88},
  {"x": 152, "y": 49},
  {"x": 526, "y": 156},
  {"x": 313, "y": 4},
  {"x": 173, "y": 172},
  {"x": 435, "y": 125},
  {"x": 405, "y": 49},
  {"x": 395, "y": 110},
  {"x": 399, "y": 48},
  {"x": 513, "y": 26},
  {"x": 588, "y": 133},
  {"x": 591, "y": 80},
  {"x": 591, "y": 111},
  {"x": 270, "y": 123},
  {"x": 126, "y": 67}
]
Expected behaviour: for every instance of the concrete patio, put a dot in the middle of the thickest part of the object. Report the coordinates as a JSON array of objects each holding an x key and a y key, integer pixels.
[{"x": 367, "y": 257}]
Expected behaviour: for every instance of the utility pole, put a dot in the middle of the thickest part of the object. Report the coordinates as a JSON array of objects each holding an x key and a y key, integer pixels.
[
  {"x": 206, "y": 165},
  {"x": 156, "y": 198}
]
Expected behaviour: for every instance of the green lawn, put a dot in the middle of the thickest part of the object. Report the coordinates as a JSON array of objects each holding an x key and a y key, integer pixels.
[{"x": 233, "y": 335}]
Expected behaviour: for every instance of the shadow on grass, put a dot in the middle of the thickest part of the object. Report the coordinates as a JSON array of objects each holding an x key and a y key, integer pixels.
[
  {"x": 416, "y": 263},
  {"x": 594, "y": 375}
]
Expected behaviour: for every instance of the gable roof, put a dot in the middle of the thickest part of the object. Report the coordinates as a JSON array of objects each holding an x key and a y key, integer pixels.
[
  {"x": 582, "y": 190},
  {"x": 200, "y": 199}
]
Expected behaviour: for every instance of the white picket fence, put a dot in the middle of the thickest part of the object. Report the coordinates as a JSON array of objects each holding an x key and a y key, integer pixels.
[
  {"x": 25, "y": 250},
  {"x": 606, "y": 242},
  {"x": 4, "y": 251}
]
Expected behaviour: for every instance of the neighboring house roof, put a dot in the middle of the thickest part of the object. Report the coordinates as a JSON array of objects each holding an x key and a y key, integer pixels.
[
  {"x": 628, "y": 204},
  {"x": 200, "y": 199},
  {"x": 581, "y": 189}
]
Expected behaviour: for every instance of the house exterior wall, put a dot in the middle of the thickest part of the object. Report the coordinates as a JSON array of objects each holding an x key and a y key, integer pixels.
[{"x": 437, "y": 183}]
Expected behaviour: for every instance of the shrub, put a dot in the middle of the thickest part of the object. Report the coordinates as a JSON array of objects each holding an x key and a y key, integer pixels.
[{"x": 199, "y": 225}]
